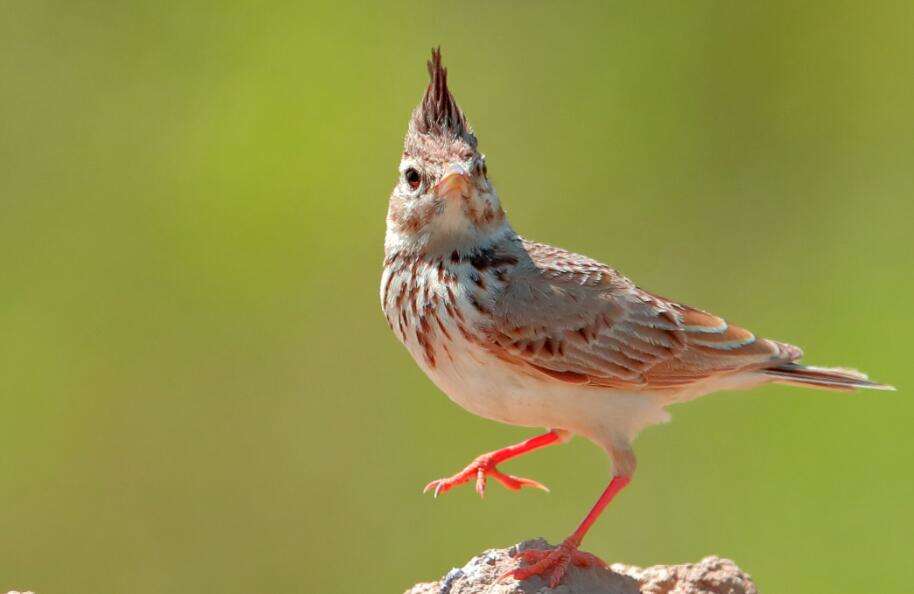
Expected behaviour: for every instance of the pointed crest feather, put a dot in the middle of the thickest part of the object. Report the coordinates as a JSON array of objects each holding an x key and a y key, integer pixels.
[{"x": 438, "y": 113}]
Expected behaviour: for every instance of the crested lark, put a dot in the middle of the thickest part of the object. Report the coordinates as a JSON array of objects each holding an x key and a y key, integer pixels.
[{"x": 529, "y": 334}]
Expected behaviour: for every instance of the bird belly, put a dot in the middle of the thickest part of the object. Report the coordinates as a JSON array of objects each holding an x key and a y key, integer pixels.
[{"x": 496, "y": 390}]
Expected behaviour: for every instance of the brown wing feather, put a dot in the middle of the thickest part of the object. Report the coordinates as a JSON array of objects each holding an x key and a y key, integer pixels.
[{"x": 583, "y": 322}]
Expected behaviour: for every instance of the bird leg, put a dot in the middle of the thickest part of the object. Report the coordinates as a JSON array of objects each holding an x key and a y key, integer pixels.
[
  {"x": 553, "y": 563},
  {"x": 485, "y": 465}
]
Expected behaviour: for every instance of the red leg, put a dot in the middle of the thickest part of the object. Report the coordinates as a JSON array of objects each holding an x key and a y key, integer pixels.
[
  {"x": 485, "y": 465},
  {"x": 556, "y": 561}
]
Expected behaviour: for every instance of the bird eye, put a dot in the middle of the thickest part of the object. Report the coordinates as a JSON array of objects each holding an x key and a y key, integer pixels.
[{"x": 412, "y": 178}]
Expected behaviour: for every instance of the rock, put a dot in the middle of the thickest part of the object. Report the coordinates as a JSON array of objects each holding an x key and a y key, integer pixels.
[{"x": 712, "y": 575}]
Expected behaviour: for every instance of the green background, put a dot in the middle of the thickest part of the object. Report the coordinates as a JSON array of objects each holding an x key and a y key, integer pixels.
[{"x": 198, "y": 391}]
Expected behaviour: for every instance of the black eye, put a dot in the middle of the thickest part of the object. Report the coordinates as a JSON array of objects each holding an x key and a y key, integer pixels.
[{"x": 412, "y": 178}]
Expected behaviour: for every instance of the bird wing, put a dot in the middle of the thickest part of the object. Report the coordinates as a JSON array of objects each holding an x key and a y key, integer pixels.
[{"x": 578, "y": 320}]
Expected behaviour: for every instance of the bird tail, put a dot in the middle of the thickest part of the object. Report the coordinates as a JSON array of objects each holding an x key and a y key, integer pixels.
[{"x": 825, "y": 378}]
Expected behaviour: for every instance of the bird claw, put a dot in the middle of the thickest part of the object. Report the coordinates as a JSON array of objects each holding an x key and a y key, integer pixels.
[
  {"x": 481, "y": 468},
  {"x": 515, "y": 483},
  {"x": 552, "y": 564}
]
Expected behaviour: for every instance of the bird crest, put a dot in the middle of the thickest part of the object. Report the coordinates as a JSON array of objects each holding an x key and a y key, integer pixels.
[{"x": 438, "y": 113}]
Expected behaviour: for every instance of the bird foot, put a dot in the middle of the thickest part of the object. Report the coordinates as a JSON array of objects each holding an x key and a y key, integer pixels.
[
  {"x": 552, "y": 564},
  {"x": 482, "y": 467}
]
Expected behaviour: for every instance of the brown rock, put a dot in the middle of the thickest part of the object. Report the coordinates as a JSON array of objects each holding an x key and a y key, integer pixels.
[{"x": 712, "y": 575}]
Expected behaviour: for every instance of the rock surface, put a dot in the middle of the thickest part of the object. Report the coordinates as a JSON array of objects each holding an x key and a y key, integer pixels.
[{"x": 711, "y": 575}]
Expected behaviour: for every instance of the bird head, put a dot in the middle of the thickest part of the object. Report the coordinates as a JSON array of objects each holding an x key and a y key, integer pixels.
[{"x": 443, "y": 199}]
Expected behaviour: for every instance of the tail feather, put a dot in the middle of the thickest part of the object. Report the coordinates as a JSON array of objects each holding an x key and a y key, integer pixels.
[{"x": 826, "y": 378}]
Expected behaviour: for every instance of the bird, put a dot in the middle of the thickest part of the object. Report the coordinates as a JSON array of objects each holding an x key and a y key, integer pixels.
[{"x": 532, "y": 335}]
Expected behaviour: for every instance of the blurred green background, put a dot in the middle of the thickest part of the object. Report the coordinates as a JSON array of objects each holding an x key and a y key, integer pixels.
[{"x": 198, "y": 390}]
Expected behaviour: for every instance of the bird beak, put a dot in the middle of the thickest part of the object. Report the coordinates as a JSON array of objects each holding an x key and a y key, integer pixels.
[{"x": 455, "y": 183}]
